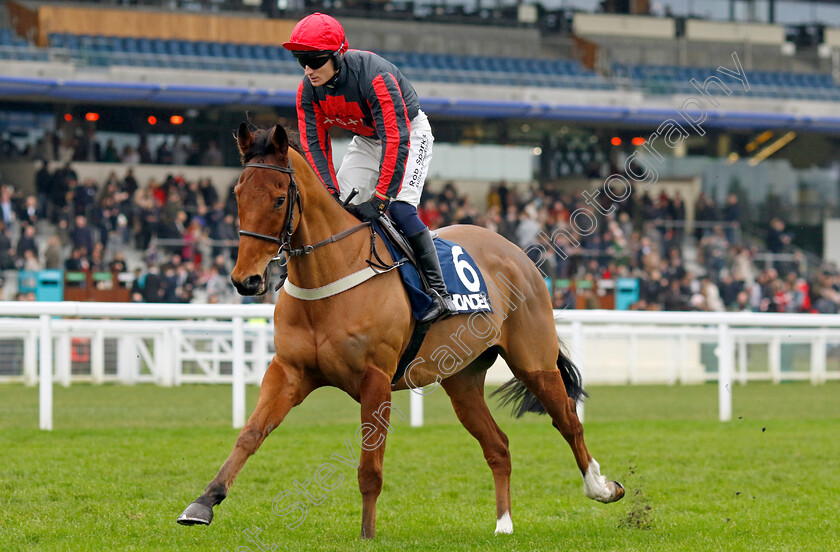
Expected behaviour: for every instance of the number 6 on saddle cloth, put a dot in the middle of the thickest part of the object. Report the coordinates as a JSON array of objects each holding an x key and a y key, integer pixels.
[{"x": 462, "y": 276}]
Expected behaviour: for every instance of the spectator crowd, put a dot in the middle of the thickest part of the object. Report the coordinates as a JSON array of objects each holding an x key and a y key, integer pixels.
[
  {"x": 644, "y": 237},
  {"x": 182, "y": 232},
  {"x": 184, "y": 235}
]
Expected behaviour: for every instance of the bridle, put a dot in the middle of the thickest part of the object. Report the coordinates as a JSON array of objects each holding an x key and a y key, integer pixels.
[{"x": 293, "y": 200}]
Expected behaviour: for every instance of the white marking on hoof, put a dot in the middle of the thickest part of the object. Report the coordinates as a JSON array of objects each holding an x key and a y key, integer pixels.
[
  {"x": 504, "y": 525},
  {"x": 595, "y": 484}
]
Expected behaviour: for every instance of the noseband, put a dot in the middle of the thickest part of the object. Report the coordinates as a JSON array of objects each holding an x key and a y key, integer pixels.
[{"x": 292, "y": 201}]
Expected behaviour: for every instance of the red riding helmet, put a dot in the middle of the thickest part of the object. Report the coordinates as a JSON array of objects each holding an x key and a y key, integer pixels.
[{"x": 317, "y": 33}]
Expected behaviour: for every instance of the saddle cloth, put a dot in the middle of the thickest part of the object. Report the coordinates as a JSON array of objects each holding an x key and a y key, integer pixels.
[{"x": 460, "y": 273}]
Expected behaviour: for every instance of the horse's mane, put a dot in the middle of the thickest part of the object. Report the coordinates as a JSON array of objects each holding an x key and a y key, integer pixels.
[{"x": 262, "y": 144}]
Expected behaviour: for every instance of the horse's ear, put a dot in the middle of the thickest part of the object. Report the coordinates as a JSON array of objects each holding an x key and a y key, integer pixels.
[
  {"x": 244, "y": 138},
  {"x": 280, "y": 140}
]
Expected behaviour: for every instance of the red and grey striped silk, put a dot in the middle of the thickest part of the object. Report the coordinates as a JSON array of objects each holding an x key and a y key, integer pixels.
[{"x": 369, "y": 97}]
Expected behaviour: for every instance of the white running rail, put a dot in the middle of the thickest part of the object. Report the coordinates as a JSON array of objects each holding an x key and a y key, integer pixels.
[{"x": 170, "y": 344}]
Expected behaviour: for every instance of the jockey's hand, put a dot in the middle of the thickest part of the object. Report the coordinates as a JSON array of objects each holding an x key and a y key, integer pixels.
[{"x": 371, "y": 209}]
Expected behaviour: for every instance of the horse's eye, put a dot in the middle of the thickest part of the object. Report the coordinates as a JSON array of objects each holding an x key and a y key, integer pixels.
[{"x": 279, "y": 202}]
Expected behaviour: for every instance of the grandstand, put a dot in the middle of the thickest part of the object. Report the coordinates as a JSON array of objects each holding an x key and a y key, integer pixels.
[
  {"x": 570, "y": 95},
  {"x": 106, "y": 51}
]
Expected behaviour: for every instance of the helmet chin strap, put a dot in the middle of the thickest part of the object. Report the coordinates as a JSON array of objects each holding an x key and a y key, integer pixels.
[
  {"x": 338, "y": 63},
  {"x": 331, "y": 83}
]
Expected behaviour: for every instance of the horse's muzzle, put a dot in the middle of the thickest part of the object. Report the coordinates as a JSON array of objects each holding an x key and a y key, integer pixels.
[{"x": 252, "y": 285}]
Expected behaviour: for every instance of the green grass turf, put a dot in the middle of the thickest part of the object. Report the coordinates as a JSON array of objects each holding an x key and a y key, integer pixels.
[{"x": 123, "y": 461}]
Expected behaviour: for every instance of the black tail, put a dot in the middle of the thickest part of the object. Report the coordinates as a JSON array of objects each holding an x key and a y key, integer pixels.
[{"x": 522, "y": 400}]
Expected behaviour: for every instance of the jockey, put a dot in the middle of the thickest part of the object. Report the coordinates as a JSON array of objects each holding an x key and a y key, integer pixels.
[{"x": 388, "y": 158}]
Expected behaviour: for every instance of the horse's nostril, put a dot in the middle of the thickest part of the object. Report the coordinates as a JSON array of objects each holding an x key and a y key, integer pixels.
[
  {"x": 249, "y": 286},
  {"x": 253, "y": 282}
]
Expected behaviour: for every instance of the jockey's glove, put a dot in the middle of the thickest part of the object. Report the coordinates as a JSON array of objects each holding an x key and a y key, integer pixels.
[{"x": 371, "y": 209}]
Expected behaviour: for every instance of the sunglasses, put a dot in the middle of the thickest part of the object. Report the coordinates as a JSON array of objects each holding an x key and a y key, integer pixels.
[{"x": 313, "y": 62}]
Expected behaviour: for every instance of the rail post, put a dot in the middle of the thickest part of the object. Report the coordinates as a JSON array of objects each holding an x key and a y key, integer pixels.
[
  {"x": 724, "y": 350},
  {"x": 30, "y": 358},
  {"x": 45, "y": 383},
  {"x": 97, "y": 356},
  {"x": 818, "y": 352},
  {"x": 238, "y": 367},
  {"x": 63, "y": 367},
  {"x": 416, "y": 405}
]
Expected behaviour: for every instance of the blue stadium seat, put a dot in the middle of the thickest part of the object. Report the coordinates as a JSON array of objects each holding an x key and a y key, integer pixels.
[
  {"x": 130, "y": 45},
  {"x": 202, "y": 49},
  {"x": 217, "y": 49},
  {"x": 779, "y": 84},
  {"x": 426, "y": 61},
  {"x": 186, "y": 47},
  {"x": 172, "y": 47},
  {"x": 108, "y": 44},
  {"x": 244, "y": 51},
  {"x": 273, "y": 52},
  {"x": 159, "y": 46},
  {"x": 145, "y": 45},
  {"x": 99, "y": 43},
  {"x": 285, "y": 54},
  {"x": 257, "y": 51},
  {"x": 71, "y": 41},
  {"x": 56, "y": 40},
  {"x": 229, "y": 50},
  {"x": 494, "y": 64}
]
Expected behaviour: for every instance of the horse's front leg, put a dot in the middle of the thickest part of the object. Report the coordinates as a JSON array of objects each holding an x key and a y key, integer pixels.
[
  {"x": 282, "y": 388},
  {"x": 375, "y": 398}
]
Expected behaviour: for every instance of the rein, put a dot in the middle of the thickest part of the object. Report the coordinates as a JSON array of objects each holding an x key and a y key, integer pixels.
[{"x": 292, "y": 201}]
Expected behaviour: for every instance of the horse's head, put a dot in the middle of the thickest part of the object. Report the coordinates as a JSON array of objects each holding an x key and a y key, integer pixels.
[{"x": 266, "y": 195}]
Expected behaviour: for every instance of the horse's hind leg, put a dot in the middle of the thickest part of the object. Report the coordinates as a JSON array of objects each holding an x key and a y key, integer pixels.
[
  {"x": 549, "y": 386},
  {"x": 466, "y": 391},
  {"x": 282, "y": 388}
]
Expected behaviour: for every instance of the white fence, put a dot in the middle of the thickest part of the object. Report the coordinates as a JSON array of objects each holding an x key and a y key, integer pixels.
[
  {"x": 158, "y": 348},
  {"x": 48, "y": 343}
]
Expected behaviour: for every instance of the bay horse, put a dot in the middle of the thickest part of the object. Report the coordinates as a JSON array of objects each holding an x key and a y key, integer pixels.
[{"x": 354, "y": 339}]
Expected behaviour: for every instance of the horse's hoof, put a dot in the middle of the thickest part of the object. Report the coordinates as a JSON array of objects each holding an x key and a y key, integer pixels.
[
  {"x": 196, "y": 514},
  {"x": 504, "y": 525},
  {"x": 618, "y": 491}
]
